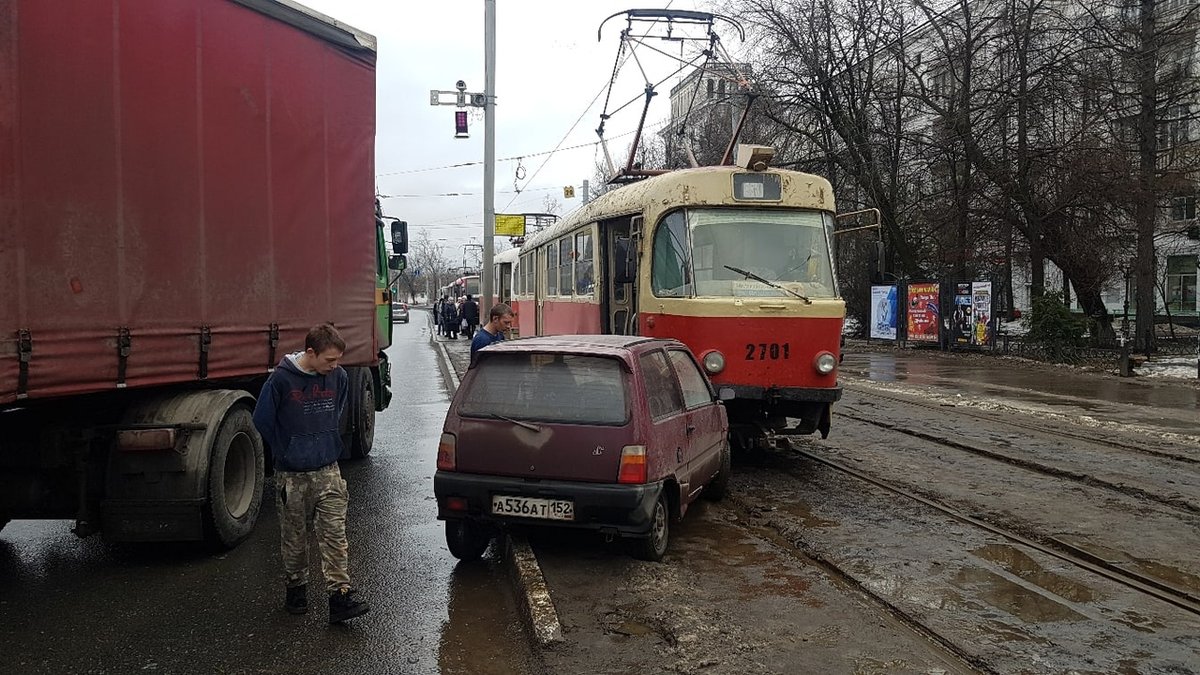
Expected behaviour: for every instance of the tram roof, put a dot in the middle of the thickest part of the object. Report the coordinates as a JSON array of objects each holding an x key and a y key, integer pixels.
[{"x": 673, "y": 190}]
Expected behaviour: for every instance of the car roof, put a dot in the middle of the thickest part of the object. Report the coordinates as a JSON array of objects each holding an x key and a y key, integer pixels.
[{"x": 591, "y": 345}]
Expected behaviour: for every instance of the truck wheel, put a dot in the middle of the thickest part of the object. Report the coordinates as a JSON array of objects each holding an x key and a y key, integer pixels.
[
  {"x": 362, "y": 406},
  {"x": 467, "y": 539},
  {"x": 235, "y": 479},
  {"x": 716, "y": 489},
  {"x": 654, "y": 546}
]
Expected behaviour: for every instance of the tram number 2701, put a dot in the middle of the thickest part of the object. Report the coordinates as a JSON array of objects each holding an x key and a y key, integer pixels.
[{"x": 763, "y": 351}]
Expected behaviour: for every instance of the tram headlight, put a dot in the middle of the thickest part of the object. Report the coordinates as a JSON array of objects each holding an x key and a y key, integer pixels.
[
  {"x": 825, "y": 363},
  {"x": 714, "y": 362}
]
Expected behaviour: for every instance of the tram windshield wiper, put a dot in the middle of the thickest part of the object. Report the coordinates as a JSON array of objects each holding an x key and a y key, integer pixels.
[
  {"x": 772, "y": 284},
  {"x": 527, "y": 425}
]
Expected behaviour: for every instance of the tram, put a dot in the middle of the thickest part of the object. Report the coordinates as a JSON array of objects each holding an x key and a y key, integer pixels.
[{"x": 734, "y": 262}]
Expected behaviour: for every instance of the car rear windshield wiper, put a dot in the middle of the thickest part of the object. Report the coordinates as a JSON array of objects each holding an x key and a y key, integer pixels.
[
  {"x": 772, "y": 284},
  {"x": 527, "y": 425}
]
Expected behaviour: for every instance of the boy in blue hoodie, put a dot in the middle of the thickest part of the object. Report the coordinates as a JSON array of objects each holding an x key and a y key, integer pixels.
[{"x": 298, "y": 415}]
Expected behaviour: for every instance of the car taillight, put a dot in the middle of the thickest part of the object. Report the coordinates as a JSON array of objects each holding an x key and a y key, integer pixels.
[
  {"x": 633, "y": 464},
  {"x": 446, "y": 460}
]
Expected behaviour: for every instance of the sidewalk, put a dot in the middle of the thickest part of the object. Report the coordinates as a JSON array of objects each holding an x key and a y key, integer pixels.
[{"x": 457, "y": 351}]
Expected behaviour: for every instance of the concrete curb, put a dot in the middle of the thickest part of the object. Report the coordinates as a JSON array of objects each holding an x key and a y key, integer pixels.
[
  {"x": 537, "y": 607},
  {"x": 533, "y": 595}
]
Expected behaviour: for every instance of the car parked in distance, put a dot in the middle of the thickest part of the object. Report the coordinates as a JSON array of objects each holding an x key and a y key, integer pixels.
[
  {"x": 612, "y": 433},
  {"x": 400, "y": 312}
]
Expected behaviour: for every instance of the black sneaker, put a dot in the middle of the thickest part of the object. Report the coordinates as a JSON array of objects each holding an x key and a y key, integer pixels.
[
  {"x": 297, "y": 600},
  {"x": 342, "y": 607}
]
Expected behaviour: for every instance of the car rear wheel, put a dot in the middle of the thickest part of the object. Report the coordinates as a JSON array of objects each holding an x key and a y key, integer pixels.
[
  {"x": 654, "y": 546},
  {"x": 467, "y": 539}
]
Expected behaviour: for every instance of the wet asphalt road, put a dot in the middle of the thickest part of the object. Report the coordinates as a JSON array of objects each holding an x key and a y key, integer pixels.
[{"x": 82, "y": 606}]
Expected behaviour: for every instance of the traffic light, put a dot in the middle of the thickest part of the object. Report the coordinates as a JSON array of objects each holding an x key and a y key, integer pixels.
[
  {"x": 460, "y": 124},
  {"x": 569, "y": 192}
]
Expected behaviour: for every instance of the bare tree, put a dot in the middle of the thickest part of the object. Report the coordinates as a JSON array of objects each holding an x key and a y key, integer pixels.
[{"x": 427, "y": 269}]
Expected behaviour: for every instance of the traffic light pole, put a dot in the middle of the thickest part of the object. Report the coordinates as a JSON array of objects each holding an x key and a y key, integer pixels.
[{"x": 489, "y": 155}]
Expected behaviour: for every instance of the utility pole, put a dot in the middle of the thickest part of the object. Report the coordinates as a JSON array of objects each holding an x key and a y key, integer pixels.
[
  {"x": 487, "y": 100},
  {"x": 489, "y": 154}
]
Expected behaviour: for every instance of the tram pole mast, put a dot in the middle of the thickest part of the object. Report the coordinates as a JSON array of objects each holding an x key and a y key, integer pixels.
[{"x": 489, "y": 155}]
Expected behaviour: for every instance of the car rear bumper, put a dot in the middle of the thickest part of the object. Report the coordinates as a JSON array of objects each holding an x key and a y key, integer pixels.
[{"x": 620, "y": 509}]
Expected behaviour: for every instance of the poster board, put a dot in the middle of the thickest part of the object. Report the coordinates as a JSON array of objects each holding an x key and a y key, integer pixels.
[
  {"x": 883, "y": 312},
  {"x": 924, "y": 316}
]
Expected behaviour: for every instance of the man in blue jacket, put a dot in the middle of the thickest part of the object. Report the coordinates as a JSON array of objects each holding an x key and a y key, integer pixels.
[{"x": 298, "y": 415}]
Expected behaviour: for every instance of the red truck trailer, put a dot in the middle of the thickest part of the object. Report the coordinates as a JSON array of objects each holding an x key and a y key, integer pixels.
[{"x": 186, "y": 187}]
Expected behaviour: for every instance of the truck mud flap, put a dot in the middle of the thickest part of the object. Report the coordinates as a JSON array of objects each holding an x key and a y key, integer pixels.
[{"x": 152, "y": 520}]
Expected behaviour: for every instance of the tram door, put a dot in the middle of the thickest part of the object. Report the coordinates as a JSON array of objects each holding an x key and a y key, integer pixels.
[
  {"x": 504, "y": 282},
  {"x": 620, "y": 269},
  {"x": 539, "y": 291}
]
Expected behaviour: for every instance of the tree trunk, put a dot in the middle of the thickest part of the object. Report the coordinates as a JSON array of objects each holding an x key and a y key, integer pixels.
[{"x": 1145, "y": 211}]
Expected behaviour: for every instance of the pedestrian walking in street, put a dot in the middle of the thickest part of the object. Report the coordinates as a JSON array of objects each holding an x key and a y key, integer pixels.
[
  {"x": 437, "y": 315},
  {"x": 470, "y": 314},
  {"x": 297, "y": 415},
  {"x": 450, "y": 319},
  {"x": 500, "y": 319}
]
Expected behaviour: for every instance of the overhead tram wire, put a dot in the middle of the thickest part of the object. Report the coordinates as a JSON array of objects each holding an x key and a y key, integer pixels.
[
  {"x": 606, "y": 88},
  {"x": 617, "y": 63}
]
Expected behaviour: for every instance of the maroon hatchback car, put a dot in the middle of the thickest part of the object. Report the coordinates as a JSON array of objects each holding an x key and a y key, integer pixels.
[{"x": 613, "y": 433}]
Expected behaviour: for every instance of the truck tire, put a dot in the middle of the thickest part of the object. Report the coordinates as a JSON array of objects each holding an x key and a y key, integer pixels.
[
  {"x": 235, "y": 480},
  {"x": 362, "y": 408}
]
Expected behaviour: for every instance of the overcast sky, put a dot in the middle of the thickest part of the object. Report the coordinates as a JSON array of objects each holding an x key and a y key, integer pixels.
[{"x": 549, "y": 67}]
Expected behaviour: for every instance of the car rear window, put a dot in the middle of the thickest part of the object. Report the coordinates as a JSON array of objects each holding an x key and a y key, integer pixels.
[{"x": 547, "y": 388}]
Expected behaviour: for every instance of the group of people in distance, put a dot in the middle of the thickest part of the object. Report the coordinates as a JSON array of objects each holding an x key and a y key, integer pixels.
[{"x": 454, "y": 318}]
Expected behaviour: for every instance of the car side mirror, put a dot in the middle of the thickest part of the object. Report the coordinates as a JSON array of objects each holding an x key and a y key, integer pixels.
[{"x": 726, "y": 394}]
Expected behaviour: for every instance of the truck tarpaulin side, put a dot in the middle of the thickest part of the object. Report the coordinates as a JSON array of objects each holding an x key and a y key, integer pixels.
[{"x": 176, "y": 177}]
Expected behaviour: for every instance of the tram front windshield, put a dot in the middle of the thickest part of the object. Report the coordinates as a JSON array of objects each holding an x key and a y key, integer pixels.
[{"x": 707, "y": 253}]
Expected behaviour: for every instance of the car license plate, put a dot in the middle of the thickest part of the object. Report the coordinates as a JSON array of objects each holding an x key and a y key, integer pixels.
[{"x": 533, "y": 507}]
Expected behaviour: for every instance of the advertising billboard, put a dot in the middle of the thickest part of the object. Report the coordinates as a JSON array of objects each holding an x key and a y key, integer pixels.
[
  {"x": 981, "y": 292},
  {"x": 923, "y": 313},
  {"x": 883, "y": 312}
]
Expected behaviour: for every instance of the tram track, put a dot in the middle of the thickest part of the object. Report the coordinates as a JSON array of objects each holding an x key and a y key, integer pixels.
[
  {"x": 805, "y": 554},
  {"x": 1177, "y": 503},
  {"x": 1055, "y": 548},
  {"x": 959, "y": 410}
]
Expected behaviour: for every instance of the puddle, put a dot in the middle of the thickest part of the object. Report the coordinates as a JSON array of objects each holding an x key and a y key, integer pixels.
[
  {"x": 1171, "y": 576},
  {"x": 783, "y": 583},
  {"x": 802, "y": 511},
  {"x": 1025, "y": 604},
  {"x": 1002, "y": 632},
  {"x": 903, "y": 588},
  {"x": 1020, "y": 564},
  {"x": 633, "y": 629}
]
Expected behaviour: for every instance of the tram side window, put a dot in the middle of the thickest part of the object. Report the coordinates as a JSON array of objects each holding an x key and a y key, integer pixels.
[
  {"x": 671, "y": 273},
  {"x": 565, "y": 258},
  {"x": 527, "y": 273},
  {"x": 584, "y": 276},
  {"x": 552, "y": 269}
]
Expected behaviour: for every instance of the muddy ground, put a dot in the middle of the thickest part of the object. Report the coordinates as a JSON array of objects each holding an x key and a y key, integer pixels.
[{"x": 807, "y": 569}]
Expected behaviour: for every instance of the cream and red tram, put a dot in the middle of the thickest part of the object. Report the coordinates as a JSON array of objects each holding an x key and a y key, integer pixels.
[{"x": 735, "y": 263}]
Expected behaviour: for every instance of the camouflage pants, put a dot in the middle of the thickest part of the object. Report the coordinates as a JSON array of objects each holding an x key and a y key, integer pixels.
[{"x": 321, "y": 494}]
